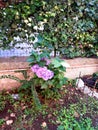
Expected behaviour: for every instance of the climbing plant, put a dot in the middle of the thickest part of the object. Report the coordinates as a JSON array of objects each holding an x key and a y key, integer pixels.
[{"x": 66, "y": 27}]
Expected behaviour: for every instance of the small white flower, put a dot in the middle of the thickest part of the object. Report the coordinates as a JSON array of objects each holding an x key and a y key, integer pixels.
[
  {"x": 69, "y": 4},
  {"x": 19, "y": 28},
  {"x": 30, "y": 19},
  {"x": 17, "y": 38},
  {"x": 17, "y": 13},
  {"x": 90, "y": 45},
  {"x": 45, "y": 20},
  {"x": 4, "y": 13},
  {"x": 35, "y": 40},
  {"x": 25, "y": 30},
  {"x": 75, "y": 18},
  {"x": 41, "y": 28},
  {"x": 29, "y": 24},
  {"x": 35, "y": 27},
  {"x": 26, "y": 21},
  {"x": 64, "y": 19},
  {"x": 56, "y": 30},
  {"x": 15, "y": 96}
]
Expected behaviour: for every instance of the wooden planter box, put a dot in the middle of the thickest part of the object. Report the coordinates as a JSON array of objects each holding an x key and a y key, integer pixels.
[{"x": 10, "y": 66}]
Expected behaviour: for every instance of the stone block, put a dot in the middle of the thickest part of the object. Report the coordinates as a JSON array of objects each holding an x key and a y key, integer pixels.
[{"x": 10, "y": 66}]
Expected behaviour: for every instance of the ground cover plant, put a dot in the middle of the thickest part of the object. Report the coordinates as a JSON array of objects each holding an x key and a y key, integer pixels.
[{"x": 69, "y": 110}]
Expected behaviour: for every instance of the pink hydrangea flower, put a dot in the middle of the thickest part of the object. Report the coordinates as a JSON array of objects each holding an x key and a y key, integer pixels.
[
  {"x": 35, "y": 67},
  {"x": 48, "y": 75},
  {"x": 48, "y": 61},
  {"x": 42, "y": 72}
]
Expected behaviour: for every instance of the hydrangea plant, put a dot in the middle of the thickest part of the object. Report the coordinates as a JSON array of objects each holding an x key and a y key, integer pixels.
[{"x": 48, "y": 72}]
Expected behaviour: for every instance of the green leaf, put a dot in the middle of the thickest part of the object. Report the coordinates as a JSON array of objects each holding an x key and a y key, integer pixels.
[
  {"x": 62, "y": 68},
  {"x": 40, "y": 39},
  {"x": 44, "y": 54},
  {"x": 63, "y": 81},
  {"x": 56, "y": 63},
  {"x": 59, "y": 85},
  {"x": 60, "y": 127},
  {"x": 77, "y": 126},
  {"x": 44, "y": 86},
  {"x": 30, "y": 59}
]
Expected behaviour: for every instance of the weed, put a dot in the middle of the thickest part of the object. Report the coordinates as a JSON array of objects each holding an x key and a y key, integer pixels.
[
  {"x": 2, "y": 121},
  {"x": 2, "y": 103}
]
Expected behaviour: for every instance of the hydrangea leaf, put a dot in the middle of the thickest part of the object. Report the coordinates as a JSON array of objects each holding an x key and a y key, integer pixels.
[{"x": 56, "y": 63}]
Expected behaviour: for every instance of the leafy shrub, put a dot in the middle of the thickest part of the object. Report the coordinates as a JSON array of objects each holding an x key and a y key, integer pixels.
[
  {"x": 48, "y": 73},
  {"x": 69, "y": 27}
]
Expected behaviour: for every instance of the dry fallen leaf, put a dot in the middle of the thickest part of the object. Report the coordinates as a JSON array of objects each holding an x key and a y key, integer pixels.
[
  {"x": 44, "y": 124},
  {"x": 76, "y": 114},
  {"x": 12, "y": 115},
  {"x": 58, "y": 122},
  {"x": 9, "y": 122},
  {"x": 24, "y": 107},
  {"x": 6, "y": 118},
  {"x": 49, "y": 116},
  {"x": 24, "y": 116}
]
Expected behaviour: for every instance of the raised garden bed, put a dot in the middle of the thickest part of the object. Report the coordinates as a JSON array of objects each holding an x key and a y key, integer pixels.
[
  {"x": 76, "y": 107},
  {"x": 76, "y": 67},
  {"x": 69, "y": 107}
]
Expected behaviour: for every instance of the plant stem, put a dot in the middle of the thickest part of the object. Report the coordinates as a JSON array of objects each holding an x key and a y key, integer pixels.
[{"x": 35, "y": 97}]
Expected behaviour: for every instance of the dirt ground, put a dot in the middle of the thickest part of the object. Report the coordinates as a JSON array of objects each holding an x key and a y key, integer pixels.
[{"x": 71, "y": 96}]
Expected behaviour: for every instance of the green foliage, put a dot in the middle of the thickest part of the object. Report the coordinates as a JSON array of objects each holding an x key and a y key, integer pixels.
[
  {"x": 82, "y": 125},
  {"x": 10, "y": 77},
  {"x": 2, "y": 121},
  {"x": 55, "y": 65},
  {"x": 95, "y": 75},
  {"x": 51, "y": 87},
  {"x": 2, "y": 102},
  {"x": 65, "y": 27},
  {"x": 17, "y": 20},
  {"x": 69, "y": 122},
  {"x": 25, "y": 85}
]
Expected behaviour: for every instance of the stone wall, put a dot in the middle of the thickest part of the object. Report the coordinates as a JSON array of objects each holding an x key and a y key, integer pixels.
[{"x": 11, "y": 66}]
